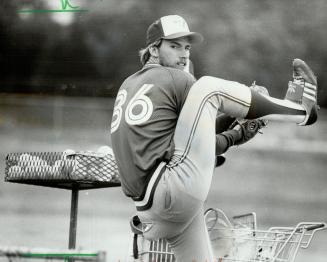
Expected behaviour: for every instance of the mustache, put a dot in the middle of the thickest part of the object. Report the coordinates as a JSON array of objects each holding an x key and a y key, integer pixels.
[{"x": 184, "y": 61}]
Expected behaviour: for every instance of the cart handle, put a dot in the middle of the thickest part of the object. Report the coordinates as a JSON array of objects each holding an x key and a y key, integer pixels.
[
  {"x": 244, "y": 215},
  {"x": 315, "y": 227}
]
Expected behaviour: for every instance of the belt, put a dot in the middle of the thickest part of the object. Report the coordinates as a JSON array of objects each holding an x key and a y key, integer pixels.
[{"x": 146, "y": 202}]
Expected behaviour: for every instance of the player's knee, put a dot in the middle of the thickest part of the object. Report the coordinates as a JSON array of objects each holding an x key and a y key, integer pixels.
[
  {"x": 202, "y": 83},
  {"x": 205, "y": 79},
  {"x": 210, "y": 81}
]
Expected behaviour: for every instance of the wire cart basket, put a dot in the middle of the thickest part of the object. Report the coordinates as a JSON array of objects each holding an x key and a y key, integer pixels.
[
  {"x": 63, "y": 169},
  {"x": 70, "y": 170},
  {"x": 238, "y": 240}
]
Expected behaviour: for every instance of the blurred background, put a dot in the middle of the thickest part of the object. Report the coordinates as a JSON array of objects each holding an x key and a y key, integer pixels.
[
  {"x": 90, "y": 53},
  {"x": 61, "y": 72}
]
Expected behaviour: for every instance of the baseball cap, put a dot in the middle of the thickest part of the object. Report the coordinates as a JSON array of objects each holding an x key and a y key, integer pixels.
[{"x": 171, "y": 27}]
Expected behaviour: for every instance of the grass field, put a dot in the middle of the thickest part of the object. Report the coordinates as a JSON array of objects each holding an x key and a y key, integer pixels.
[{"x": 281, "y": 175}]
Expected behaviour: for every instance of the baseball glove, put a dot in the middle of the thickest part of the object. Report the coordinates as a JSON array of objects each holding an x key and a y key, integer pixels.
[{"x": 248, "y": 129}]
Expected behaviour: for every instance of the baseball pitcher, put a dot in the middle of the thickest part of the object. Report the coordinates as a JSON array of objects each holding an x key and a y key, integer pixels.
[{"x": 164, "y": 133}]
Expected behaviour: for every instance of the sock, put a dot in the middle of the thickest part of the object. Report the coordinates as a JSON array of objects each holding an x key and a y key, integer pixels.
[{"x": 262, "y": 105}]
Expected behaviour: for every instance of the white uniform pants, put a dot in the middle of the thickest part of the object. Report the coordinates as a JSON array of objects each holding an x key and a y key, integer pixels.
[{"x": 177, "y": 210}]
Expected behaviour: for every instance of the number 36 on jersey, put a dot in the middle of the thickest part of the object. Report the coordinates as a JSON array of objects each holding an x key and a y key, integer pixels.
[{"x": 138, "y": 110}]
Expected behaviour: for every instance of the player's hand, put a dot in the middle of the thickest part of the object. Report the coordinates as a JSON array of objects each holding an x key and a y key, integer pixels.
[
  {"x": 259, "y": 89},
  {"x": 247, "y": 129}
]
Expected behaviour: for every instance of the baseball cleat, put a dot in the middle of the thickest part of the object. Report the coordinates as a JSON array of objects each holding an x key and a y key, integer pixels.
[{"x": 303, "y": 90}]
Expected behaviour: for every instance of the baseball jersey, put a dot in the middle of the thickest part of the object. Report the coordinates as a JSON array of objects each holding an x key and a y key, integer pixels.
[{"x": 146, "y": 110}]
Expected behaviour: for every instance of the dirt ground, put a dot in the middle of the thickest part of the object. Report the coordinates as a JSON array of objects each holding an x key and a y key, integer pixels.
[{"x": 281, "y": 175}]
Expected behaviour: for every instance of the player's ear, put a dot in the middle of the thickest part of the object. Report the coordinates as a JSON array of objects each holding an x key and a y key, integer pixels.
[{"x": 154, "y": 51}]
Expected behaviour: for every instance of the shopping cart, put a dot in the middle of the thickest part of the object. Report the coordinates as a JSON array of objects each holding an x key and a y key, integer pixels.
[
  {"x": 236, "y": 239},
  {"x": 240, "y": 240}
]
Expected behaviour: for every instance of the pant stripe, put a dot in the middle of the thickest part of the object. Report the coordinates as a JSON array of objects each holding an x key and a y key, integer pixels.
[
  {"x": 235, "y": 99},
  {"x": 146, "y": 202}
]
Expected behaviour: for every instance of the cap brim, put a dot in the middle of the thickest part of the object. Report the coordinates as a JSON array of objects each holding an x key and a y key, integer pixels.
[{"x": 193, "y": 37}]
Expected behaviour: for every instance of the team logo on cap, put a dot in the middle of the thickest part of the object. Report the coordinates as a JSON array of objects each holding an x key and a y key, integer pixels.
[{"x": 173, "y": 24}]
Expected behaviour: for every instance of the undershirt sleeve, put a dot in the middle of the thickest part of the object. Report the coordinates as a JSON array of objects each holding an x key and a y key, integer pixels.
[
  {"x": 225, "y": 140},
  {"x": 223, "y": 122}
]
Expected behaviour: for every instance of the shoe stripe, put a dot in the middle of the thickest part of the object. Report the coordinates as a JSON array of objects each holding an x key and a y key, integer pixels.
[
  {"x": 307, "y": 84},
  {"x": 309, "y": 91},
  {"x": 309, "y": 97}
]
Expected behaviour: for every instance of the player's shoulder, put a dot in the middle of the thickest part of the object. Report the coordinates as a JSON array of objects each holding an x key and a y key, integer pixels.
[
  {"x": 177, "y": 73},
  {"x": 169, "y": 73}
]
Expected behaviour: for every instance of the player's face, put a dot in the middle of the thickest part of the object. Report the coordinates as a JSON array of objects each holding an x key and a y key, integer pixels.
[{"x": 174, "y": 53}]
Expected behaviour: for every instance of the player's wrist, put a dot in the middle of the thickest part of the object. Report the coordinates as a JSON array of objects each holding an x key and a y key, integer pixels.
[{"x": 233, "y": 136}]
